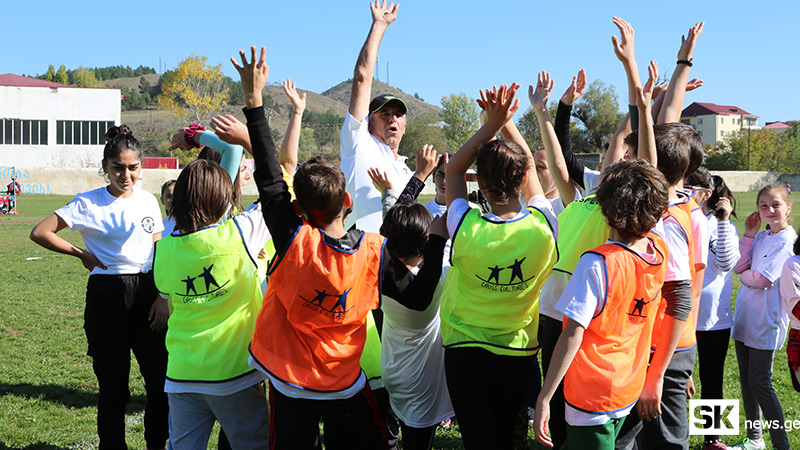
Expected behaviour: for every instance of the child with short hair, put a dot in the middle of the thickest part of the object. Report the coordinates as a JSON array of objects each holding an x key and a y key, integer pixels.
[
  {"x": 215, "y": 295},
  {"x": 325, "y": 279},
  {"x": 489, "y": 305},
  {"x": 759, "y": 319},
  {"x": 602, "y": 353}
]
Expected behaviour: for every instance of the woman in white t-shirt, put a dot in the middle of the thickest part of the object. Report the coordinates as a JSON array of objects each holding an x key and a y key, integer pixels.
[
  {"x": 759, "y": 320},
  {"x": 119, "y": 224}
]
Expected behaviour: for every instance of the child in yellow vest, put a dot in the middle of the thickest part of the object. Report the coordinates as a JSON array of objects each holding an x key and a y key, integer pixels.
[
  {"x": 489, "y": 305},
  {"x": 603, "y": 351},
  {"x": 208, "y": 270},
  {"x": 324, "y": 280}
]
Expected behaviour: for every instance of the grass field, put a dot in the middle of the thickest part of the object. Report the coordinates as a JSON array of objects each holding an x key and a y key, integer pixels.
[{"x": 48, "y": 391}]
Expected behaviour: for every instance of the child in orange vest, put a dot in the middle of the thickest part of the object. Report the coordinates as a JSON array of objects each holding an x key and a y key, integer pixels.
[
  {"x": 603, "y": 351},
  {"x": 323, "y": 282}
]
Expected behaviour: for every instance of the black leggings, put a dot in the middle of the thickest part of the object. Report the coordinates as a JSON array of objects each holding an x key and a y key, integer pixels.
[
  {"x": 712, "y": 349},
  {"x": 417, "y": 438},
  {"x": 488, "y": 393}
]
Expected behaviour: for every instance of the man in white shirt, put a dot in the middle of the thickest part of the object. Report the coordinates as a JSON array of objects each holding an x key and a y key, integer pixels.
[{"x": 372, "y": 131}]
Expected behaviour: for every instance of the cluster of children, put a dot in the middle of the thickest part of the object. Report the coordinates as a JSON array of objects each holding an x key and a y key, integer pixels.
[{"x": 619, "y": 275}]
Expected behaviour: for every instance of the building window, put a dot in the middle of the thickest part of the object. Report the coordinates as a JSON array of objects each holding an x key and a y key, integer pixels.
[
  {"x": 721, "y": 120},
  {"x": 686, "y": 121},
  {"x": 23, "y": 132},
  {"x": 82, "y": 132},
  {"x": 700, "y": 133},
  {"x": 699, "y": 121},
  {"x": 721, "y": 133}
]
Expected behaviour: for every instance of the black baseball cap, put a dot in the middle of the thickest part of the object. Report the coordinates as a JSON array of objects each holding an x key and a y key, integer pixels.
[{"x": 381, "y": 101}]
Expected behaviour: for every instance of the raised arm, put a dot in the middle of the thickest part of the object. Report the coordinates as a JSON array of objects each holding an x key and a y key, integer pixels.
[
  {"x": 562, "y": 124},
  {"x": 533, "y": 186},
  {"x": 500, "y": 107},
  {"x": 555, "y": 159},
  {"x": 647, "y": 137},
  {"x": 673, "y": 100},
  {"x": 382, "y": 16},
  {"x": 291, "y": 142},
  {"x": 232, "y": 131},
  {"x": 624, "y": 49}
]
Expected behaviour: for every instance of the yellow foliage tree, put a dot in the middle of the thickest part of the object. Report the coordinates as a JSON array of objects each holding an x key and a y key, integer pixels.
[{"x": 194, "y": 90}]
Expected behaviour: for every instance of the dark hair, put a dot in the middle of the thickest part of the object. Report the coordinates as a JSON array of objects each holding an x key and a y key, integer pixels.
[
  {"x": 696, "y": 153},
  {"x": 700, "y": 178},
  {"x": 633, "y": 196},
  {"x": 718, "y": 191},
  {"x": 441, "y": 161},
  {"x": 501, "y": 166},
  {"x": 319, "y": 187},
  {"x": 209, "y": 154},
  {"x": 203, "y": 193},
  {"x": 166, "y": 186},
  {"x": 406, "y": 229},
  {"x": 118, "y": 139},
  {"x": 673, "y": 144}
]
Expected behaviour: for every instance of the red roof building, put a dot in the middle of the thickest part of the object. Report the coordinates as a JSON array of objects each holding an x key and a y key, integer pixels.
[
  {"x": 10, "y": 79},
  {"x": 713, "y": 122}
]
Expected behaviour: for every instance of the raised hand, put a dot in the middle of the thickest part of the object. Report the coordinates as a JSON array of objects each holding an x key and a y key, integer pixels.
[
  {"x": 298, "y": 101},
  {"x": 645, "y": 94},
  {"x": 688, "y": 42},
  {"x": 379, "y": 179},
  {"x": 383, "y": 13},
  {"x": 499, "y": 104},
  {"x": 253, "y": 74},
  {"x": 693, "y": 84},
  {"x": 623, "y": 47},
  {"x": 724, "y": 209},
  {"x": 427, "y": 159},
  {"x": 179, "y": 141},
  {"x": 660, "y": 88},
  {"x": 231, "y": 130},
  {"x": 575, "y": 90},
  {"x": 752, "y": 224},
  {"x": 544, "y": 87}
]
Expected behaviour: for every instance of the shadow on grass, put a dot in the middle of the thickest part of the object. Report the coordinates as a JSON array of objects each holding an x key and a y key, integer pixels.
[
  {"x": 60, "y": 395},
  {"x": 36, "y": 446}
]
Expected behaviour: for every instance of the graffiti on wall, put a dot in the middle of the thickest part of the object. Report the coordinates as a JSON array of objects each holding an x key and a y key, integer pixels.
[{"x": 22, "y": 175}]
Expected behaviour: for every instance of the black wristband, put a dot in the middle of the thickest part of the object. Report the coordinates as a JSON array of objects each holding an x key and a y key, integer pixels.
[{"x": 688, "y": 62}]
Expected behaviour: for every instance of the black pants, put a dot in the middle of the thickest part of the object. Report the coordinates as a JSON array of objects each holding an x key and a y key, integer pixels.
[
  {"x": 488, "y": 392},
  {"x": 354, "y": 423},
  {"x": 712, "y": 349},
  {"x": 549, "y": 332},
  {"x": 116, "y": 323},
  {"x": 417, "y": 438}
]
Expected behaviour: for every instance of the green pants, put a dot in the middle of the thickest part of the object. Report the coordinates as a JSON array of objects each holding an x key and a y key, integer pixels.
[{"x": 599, "y": 437}]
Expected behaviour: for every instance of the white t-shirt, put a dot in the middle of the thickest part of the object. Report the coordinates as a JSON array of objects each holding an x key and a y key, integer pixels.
[
  {"x": 678, "y": 246},
  {"x": 412, "y": 361},
  {"x": 759, "y": 319},
  {"x": 459, "y": 207},
  {"x": 790, "y": 288},
  {"x": 118, "y": 231},
  {"x": 591, "y": 178},
  {"x": 583, "y": 299},
  {"x": 359, "y": 151},
  {"x": 714, "y": 312}
]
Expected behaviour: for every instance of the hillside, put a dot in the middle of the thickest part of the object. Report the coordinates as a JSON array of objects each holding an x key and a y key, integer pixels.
[
  {"x": 131, "y": 82},
  {"x": 341, "y": 93}
]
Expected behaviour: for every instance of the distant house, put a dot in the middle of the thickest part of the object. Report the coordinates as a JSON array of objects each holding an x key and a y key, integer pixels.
[
  {"x": 47, "y": 124},
  {"x": 778, "y": 127},
  {"x": 713, "y": 122}
]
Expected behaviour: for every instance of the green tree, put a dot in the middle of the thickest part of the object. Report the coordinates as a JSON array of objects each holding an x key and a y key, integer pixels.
[
  {"x": 83, "y": 77},
  {"x": 528, "y": 126},
  {"x": 61, "y": 76},
  {"x": 460, "y": 115},
  {"x": 50, "y": 75},
  {"x": 598, "y": 113},
  {"x": 767, "y": 149},
  {"x": 307, "y": 147},
  {"x": 144, "y": 87},
  {"x": 421, "y": 130},
  {"x": 194, "y": 90}
]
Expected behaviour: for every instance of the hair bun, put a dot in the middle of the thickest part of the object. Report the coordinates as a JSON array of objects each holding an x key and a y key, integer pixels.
[{"x": 116, "y": 131}]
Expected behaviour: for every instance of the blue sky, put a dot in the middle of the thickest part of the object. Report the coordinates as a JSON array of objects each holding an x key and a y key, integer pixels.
[{"x": 746, "y": 55}]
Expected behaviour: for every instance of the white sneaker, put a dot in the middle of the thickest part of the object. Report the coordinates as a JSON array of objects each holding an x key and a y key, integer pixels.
[{"x": 748, "y": 444}]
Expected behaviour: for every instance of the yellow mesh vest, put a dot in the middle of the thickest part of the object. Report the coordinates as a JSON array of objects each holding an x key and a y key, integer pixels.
[
  {"x": 491, "y": 296},
  {"x": 215, "y": 294},
  {"x": 581, "y": 227}
]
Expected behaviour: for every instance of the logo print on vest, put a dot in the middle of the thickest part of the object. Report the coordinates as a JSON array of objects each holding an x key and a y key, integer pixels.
[
  {"x": 192, "y": 296},
  {"x": 336, "y": 308},
  {"x": 516, "y": 280},
  {"x": 148, "y": 224},
  {"x": 638, "y": 306}
]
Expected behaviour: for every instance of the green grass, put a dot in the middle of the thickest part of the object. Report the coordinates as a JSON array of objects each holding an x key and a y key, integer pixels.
[{"x": 48, "y": 391}]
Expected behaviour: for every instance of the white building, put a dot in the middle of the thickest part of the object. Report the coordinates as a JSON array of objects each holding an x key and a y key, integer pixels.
[
  {"x": 714, "y": 122},
  {"x": 46, "y": 124}
]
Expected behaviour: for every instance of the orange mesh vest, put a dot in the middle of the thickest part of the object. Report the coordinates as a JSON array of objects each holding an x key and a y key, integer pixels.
[
  {"x": 681, "y": 213},
  {"x": 609, "y": 370},
  {"x": 311, "y": 329}
]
